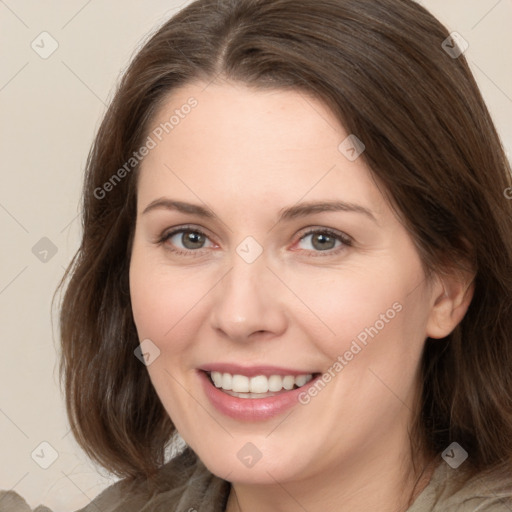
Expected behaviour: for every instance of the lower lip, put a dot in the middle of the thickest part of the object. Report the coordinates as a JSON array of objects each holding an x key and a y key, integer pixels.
[{"x": 251, "y": 409}]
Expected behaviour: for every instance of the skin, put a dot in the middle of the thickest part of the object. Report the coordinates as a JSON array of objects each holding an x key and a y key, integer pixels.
[{"x": 247, "y": 154}]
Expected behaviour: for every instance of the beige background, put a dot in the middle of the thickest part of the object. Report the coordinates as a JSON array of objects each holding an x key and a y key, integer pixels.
[{"x": 50, "y": 110}]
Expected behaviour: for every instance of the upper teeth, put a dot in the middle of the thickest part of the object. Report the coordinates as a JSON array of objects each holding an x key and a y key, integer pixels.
[{"x": 258, "y": 384}]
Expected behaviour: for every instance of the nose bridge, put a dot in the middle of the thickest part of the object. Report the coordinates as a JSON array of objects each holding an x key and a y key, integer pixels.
[{"x": 244, "y": 302}]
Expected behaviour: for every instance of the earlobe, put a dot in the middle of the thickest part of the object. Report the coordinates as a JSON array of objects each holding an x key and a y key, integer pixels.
[{"x": 451, "y": 296}]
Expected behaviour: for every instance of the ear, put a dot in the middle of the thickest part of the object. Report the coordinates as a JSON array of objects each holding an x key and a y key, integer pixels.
[{"x": 451, "y": 296}]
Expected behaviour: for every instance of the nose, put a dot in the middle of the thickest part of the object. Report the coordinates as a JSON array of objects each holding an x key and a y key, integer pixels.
[{"x": 248, "y": 302}]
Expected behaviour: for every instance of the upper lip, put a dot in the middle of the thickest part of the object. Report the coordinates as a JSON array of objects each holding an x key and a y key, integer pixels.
[{"x": 252, "y": 371}]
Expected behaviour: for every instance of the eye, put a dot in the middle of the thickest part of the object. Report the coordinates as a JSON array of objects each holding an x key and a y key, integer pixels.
[
  {"x": 190, "y": 241},
  {"x": 185, "y": 240},
  {"x": 325, "y": 240}
]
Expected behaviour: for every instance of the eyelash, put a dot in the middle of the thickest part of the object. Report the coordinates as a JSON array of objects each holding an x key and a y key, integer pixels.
[{"x": 343, "y": 238}]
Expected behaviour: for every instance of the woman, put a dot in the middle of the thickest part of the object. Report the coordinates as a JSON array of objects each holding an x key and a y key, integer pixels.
[{"x": 297, "y": 253}]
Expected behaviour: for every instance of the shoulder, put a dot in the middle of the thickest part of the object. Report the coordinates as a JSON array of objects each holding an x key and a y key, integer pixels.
[
  {"x": 450, "y": 490},
  {"x": 13, "y": 502},
  {"x": 184, "y": 483}
]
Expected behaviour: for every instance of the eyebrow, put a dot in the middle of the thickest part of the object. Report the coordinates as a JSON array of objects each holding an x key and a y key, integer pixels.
[{"x": 292, "y": 212}]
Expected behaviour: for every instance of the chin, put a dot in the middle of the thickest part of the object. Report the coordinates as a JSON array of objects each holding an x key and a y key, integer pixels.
[{"x": 246, "y": 464}]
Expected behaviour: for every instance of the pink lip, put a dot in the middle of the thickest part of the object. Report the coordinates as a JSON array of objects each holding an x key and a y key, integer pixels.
[
  {"x": 252, "y": 371},
  {"x": 252, "y": 409}
]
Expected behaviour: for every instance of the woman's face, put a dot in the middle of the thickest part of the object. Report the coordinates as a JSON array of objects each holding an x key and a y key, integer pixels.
[{"x": 241, "y": 273}]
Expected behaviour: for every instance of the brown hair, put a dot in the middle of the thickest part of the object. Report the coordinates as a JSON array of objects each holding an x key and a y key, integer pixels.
[{"x": 379, "y": 65}]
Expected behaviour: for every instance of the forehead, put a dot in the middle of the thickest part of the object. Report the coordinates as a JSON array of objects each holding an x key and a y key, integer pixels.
[
  {"x": 233, "y": 117},
  {"x": 267, "y": 145}
]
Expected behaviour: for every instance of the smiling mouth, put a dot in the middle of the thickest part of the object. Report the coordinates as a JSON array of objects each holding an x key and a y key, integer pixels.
[{"x": 260, "y": 386}]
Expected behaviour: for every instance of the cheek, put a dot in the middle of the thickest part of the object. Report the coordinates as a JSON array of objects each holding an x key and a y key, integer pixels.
[
  {"x": 152, "y": 303},
  {"x": 358, "y": 303},
  {"x": 163, "y": 310},
  {"x": 166, "y": 302}
]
